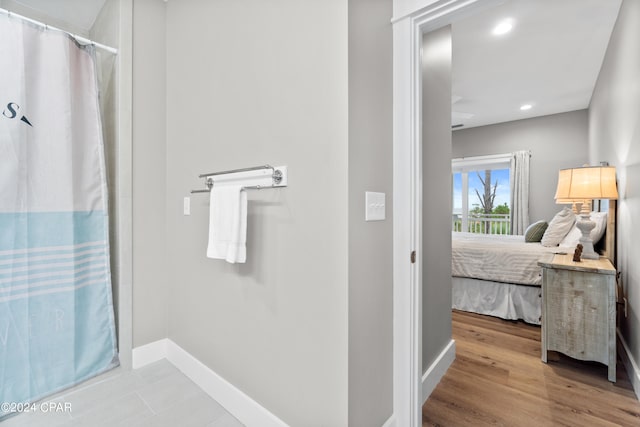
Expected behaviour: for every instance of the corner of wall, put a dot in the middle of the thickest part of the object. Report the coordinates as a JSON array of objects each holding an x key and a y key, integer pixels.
[
  {"x": 614, "y": 137},
  {"x": 437, "y": 370},
  {"x": 370, "y": 244},
  {"x": 150, "y": 282},
  {"x": 630, "y": 365}
]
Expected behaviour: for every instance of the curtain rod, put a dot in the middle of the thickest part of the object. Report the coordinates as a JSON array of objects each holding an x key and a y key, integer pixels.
[{"x": 80, "y": 39}]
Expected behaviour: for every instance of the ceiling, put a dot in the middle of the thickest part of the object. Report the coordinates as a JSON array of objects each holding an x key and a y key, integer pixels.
[
  {"x": 79, "y": 13},
  {"x": 550, "y": 59}
]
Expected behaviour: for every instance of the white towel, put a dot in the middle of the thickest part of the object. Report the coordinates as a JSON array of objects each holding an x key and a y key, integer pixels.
[{"x": 228, "y": 224}]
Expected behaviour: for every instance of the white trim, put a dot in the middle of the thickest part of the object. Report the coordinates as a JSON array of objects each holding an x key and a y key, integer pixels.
[
  {"x": 391, "y": 422},
  {"x": 244, "y": 408},
  {"x": 404, "y": 8},
  {"x": 630, "y": 365},
  {"x": 411, "y": 20},
  {"x": 149, "y": 353},
  {"x": 438, "y": 368},
  {"x": 124, "y": 225},
  {"x": 406, "y": 336},
  {"x": 496, "y": 161}
]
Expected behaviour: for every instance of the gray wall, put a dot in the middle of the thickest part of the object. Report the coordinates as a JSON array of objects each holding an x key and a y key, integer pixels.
[
  {"x": 305, "y": 326},
  {"x": 370, "y": 243},
  {"x": 250, "y": 83},
  {"x": 150, "y": 285},
  {"x": 614, "y": 136},
  {"x": 436, "y": 221},
  {"x": 557, "y": 141}
]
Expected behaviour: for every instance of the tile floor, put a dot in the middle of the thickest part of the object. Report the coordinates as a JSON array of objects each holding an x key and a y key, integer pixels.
[{"x": 155, "y": 395}]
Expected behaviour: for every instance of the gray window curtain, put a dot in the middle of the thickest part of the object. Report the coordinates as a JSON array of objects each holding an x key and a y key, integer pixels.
[{"x": 519, "y": 191}]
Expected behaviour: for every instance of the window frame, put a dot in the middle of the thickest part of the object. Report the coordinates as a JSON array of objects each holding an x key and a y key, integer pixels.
[{"x": 464, "y": 165}]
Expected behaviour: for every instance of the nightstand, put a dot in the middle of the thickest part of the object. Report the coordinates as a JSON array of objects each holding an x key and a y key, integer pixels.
[{"x": 579, "y": 309}]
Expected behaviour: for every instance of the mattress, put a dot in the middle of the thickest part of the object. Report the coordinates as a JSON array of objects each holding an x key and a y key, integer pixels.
[{"x": 499, "y": 258}]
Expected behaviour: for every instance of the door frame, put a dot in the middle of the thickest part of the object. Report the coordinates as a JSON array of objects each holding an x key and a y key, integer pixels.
[
  {"x": 412, "y": 18},
  {"x": 124, "y": 216}
]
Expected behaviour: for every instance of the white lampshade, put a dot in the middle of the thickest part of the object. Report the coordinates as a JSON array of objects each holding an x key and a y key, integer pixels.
[
  {"x": 590, "y": 182},
  {"x": 581, "y": 185}
]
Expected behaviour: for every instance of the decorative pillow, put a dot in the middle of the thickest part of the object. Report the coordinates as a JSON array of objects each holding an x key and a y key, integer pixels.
[
  {"x": 600, "y": 218},
  {"x": 573, "y": 238},
  {"x": 535, "y": 231},
  {"x": 558, "y": 228}
]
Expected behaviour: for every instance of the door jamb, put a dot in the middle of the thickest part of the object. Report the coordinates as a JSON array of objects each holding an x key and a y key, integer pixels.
[{"x": 408, "y": 31}]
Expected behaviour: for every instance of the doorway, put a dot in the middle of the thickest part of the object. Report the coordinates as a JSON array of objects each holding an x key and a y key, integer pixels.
[
  {"x": 411, "y": 25},
  {"x": 413, "y": 381}
]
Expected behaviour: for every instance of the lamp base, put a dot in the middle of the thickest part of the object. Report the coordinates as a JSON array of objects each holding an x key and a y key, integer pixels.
[{"x": 585, "y": 225}]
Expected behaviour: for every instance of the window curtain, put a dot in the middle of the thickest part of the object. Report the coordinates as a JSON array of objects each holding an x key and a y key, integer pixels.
[
  {"x": 56, "y": 315},
  {"x": 519, "y": 192}
]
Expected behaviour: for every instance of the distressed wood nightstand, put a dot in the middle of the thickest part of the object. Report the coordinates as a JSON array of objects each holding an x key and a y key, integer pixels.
[{"x": 579, "y": 309}]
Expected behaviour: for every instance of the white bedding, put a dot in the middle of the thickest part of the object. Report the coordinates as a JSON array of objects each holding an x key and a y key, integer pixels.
[
  {"x": 501, "y": 258},
  {"x": 503, "y": 300}
]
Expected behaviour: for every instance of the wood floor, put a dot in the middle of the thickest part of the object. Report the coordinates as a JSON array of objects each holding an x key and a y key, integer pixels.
[{"x": 498, "y": 379}]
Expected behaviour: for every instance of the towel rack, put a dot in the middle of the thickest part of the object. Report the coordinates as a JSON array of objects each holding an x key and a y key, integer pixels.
[{"x": 253, "y": 181}]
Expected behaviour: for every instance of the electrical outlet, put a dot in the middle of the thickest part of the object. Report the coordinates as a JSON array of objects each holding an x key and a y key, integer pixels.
[{"x": 187, "y": 206}]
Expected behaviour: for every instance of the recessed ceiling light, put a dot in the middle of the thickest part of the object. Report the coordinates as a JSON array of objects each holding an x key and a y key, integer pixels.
[
  {"x": 526, "y": 107},
  {"x": 503, "y": 27}
]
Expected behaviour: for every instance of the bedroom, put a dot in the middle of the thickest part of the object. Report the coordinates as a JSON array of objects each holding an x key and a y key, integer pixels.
[
  {"x": 555, "y": 139},
  {"x": 519, "y": 90}
]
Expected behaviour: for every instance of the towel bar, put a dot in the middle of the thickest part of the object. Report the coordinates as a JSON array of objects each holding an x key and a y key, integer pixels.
[
  {"x": 255, "y": 168},
  {"x": 278, "y": 178}
]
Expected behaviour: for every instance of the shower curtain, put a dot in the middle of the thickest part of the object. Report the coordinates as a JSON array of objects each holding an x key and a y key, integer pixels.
[{"x": 56, "y": 314}]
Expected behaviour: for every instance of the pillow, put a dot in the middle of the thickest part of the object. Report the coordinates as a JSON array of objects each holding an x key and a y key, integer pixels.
[
  {"x": 573, "y": 238},
  {"x": 558, "y": 228},
  {"x": 600, "y": 218},
  {"x": 535, "y": 231}
]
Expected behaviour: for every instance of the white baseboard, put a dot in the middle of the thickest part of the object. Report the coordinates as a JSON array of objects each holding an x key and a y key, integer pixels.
[
  {"x": 241, "y": 406},
  {"x": 391, "y": 422},
  {"x": 149, "y": 353},
  {"x": 438, "y": 368},
  {"x": 630, "y": 365}
]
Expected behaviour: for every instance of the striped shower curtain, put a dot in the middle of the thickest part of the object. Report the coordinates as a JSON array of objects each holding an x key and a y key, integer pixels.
[{"x": 56, "y": 312}]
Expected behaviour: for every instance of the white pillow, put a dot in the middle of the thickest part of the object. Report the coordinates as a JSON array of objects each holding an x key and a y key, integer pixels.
[
  {"x": 558, "y": 228},
  {"x": 600, "y": 218},
  {"x": 573, "y": 238}
]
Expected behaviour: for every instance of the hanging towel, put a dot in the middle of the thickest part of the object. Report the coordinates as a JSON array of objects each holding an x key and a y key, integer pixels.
[{"x": 228, "y": 224}]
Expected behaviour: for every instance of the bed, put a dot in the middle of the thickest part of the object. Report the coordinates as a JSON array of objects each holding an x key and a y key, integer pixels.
[{"x": 499, "y": 275}]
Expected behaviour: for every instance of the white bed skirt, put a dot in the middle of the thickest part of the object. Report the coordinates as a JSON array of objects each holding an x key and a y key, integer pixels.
[{"x": 504, "y": 300}]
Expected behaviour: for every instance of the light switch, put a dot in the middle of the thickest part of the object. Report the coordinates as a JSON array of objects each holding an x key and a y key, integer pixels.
[
  {"x": 187, "y": 205},
  {"x": 374, "y": 206}
]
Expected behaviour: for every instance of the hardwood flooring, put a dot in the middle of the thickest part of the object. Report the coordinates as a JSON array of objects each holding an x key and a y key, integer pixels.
[{"x": 498, "y": 379}]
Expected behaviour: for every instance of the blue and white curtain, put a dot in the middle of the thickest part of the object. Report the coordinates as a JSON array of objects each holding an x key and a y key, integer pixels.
[{"x": 56, "y": 313}]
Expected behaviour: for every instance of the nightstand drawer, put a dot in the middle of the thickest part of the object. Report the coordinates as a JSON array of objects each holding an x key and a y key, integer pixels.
[{"x": 577, "y": 315}]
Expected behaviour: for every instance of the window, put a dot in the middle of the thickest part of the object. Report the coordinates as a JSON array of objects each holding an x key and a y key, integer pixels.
[{"x": 481, "y": 194}]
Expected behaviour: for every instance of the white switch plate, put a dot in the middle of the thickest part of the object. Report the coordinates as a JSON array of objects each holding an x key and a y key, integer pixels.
[
  {"x": 187, "y": 206},
  {"x": 374, "y": 206}
]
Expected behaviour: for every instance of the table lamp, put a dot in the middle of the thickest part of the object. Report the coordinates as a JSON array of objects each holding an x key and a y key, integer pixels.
[{"x": 579, "y": 186}]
